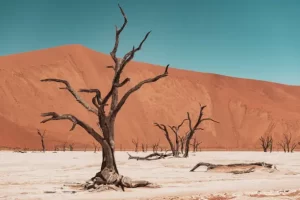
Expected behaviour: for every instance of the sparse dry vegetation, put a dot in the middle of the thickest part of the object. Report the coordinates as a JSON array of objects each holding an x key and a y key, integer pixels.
[{"x": 287, "y": 144}]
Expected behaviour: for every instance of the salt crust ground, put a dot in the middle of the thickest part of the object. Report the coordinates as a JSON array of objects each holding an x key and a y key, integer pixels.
[{"x": 35, "y": 176}]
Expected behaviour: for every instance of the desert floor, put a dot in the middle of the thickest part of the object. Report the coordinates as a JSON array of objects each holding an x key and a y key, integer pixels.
[{"x": 49, "y": 176}]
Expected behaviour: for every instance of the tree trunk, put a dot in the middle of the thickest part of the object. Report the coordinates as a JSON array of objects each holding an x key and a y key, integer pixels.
[
  {"x": 177, "y": 147},
  {"x": 187, "y": 144},
  {"x": 108, "y": 148},
  {"x": 43, "y": 145}
]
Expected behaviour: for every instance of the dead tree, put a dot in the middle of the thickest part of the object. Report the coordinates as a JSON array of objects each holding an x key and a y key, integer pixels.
[
  {"x": 64, "y": 146},
  {"x": 195, "y": 145},
  {"x": 121, "y": 147},
  {"x": 166, "y": 132},
  {"x": 286, "y": 144},
  {"x": 136, "y": 145},
  {"x": 266, "y": 142},
  {"x": 71, "y": 146},
  {"x": 155, "y": 146},
  {"x": 193, "y": 129},
  {"x": 144, "y": 147},
  {"x": 182, "y": 141},
  {"x": 42, "y": 137},
  {"x": 108, "y": 174},
  {"x": 175, "y": 130},
  {"x": 85, "y": 147},
  {"x": 56, "y": 148},
  {"x": 95, "y": 147}
]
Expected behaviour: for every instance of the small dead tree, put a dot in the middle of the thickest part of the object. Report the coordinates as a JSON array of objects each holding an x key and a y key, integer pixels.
[
  {"x": 136, "y": 145},
  {"x": 175, "y": 130},
  {"x": 155, "y": 146},
  {"x": 195, "y": 144},
  {"x": 144, "y": 147},
  {"x": 266, "y": 141},
  {"x": 71, "y": 146},
  {"x": 121, "y": 147},
  {"x": 193, "y": 129},
  {"x": 56, "y": 148},
  {"x": 287, "y": 144},
  {"x": 42, "y": 137},
  {"x": 95, "y": 147},
  {"x": 64, "y": 146},
  {"x": 182, "y": 142},
  {"x": 85, "y": 147}
]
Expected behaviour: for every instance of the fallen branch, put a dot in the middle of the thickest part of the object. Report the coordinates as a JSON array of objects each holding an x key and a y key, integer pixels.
[
  {"x": 251, "y": 166},
  {"x": 153, "y": 156}
]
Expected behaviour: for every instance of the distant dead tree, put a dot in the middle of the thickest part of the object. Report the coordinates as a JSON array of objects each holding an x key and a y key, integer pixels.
[
  {"x": 121, "y": 147},
  {"x": 144, "y": 147},
  {"x": 195, "y": 144},
  {"x": 155, "y": 146},
  {"x": 64, "y": 146},
  {"x": 71, "y": 146},
  {"x": 106, "y": 108},
  {"x": 193, "y": 129},
  {"x": 85, "y": 147},
  {"x": 56, "y": 148},
  {"x": 175, "y": 130},
  {"x": 287, "y": 144},
  {"x": 95, "y": 147},
  {"x": 136, "y": 145},
  {"x": 182, "y": 142},
  {"x": 266, "y": 141},
  {"x": 42, "y": 137}
]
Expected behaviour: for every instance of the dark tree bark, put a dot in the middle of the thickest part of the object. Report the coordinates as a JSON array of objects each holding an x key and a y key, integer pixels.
[
  {"x": 194, "y": 128},
  {"x": 106, "y": 120},
  {"x": 42, "y": 136}
]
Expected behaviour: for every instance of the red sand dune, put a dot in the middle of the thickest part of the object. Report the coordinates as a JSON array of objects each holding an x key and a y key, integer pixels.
[{"x": 245, "y": 108}]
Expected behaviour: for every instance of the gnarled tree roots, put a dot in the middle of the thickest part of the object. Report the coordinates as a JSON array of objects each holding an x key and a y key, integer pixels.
[
  {"x": 110, "y": 180},
  {"x": 153, "y": 156},
  {"x": 239, "y": 168}
]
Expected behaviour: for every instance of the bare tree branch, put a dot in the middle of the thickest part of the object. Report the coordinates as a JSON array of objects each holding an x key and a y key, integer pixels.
[
  {"x": 73, "y": 92},
  {"x": 118, "y": 32},
  {"x": 135, "y": 88},
  {"x": 75, "y": 121}
]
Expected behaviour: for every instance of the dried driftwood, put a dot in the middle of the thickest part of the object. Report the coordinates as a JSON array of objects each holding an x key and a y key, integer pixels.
[{"x": 251, "y": 166}]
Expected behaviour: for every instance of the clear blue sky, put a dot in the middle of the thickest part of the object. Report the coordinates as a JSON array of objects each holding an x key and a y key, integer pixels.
[{"x": 258, "y": 39}]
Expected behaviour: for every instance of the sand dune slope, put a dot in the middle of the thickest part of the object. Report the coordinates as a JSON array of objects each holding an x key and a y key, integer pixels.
[{"x": 245, "y": 108}]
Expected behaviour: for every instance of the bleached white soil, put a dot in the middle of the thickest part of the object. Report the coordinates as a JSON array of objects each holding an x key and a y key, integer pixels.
[{"x": 46, "y": 176}]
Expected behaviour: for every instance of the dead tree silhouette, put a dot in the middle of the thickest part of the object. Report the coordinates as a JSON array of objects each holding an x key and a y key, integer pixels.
[
  {"x": 42, "y": 137},
  {"x": 108, "y": 174}
]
